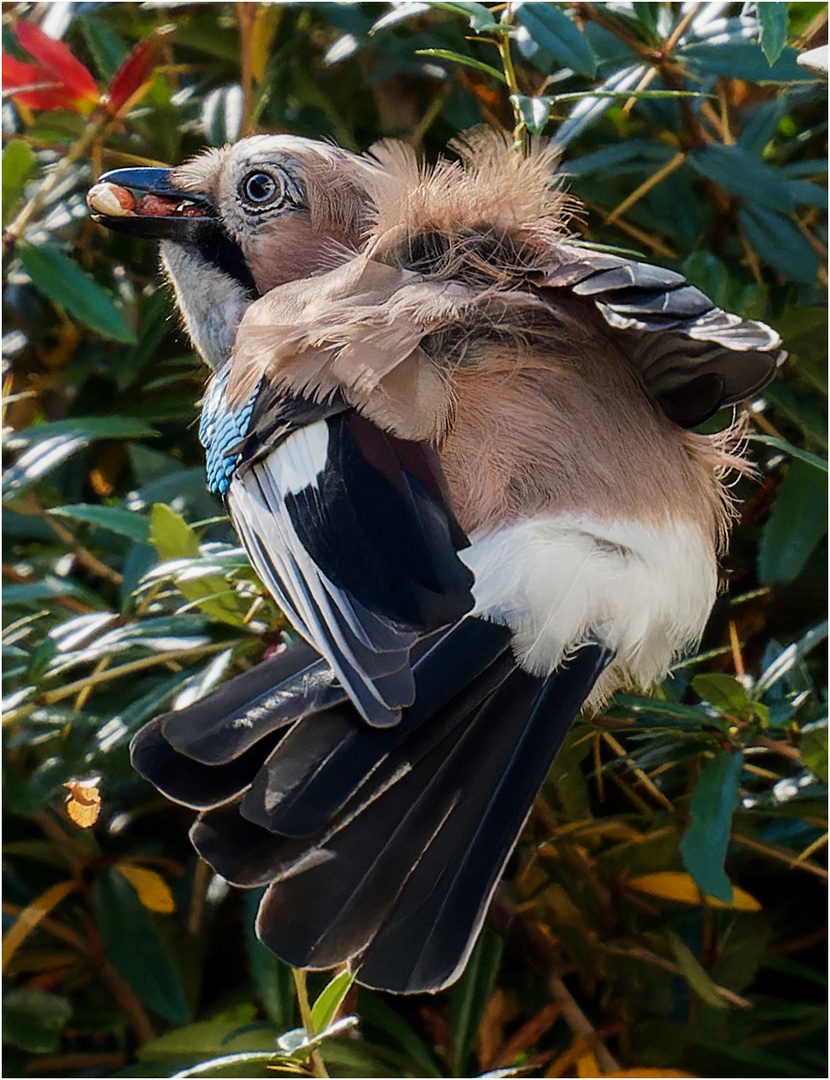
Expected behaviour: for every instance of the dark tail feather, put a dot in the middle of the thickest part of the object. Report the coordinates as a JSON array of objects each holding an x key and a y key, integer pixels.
[
  {"x": 382, "y": 846},
  {"x": 325, "y": 761},
  {"x": 403, "y": 886}
]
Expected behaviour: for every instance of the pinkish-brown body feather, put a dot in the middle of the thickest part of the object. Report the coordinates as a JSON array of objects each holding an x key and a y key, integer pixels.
[{"x": 527, "y": 393}]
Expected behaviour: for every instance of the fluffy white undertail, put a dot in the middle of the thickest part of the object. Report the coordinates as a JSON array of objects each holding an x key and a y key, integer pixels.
[{"x": 643, "y": 591}]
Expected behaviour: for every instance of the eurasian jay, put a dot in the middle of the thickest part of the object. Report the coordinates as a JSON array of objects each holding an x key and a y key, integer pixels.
[{"x": 454, "y": 443}]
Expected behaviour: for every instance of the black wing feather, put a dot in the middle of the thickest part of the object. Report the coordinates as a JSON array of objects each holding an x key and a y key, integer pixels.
[
  {"x": 352, "y": 531},
  {"x": 694, "y": 357}
]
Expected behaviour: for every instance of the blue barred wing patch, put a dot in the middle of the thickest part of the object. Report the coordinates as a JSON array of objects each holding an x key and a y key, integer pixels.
[{"x": 222, "y": 432}]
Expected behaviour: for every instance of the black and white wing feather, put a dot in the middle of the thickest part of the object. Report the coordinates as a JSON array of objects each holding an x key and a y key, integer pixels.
[
  {"x": 352, "y": 531},
  {"x": 693, "y": 356}
]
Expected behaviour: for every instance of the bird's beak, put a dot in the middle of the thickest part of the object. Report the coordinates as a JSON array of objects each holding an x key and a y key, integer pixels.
[{"x": 145, "y": 202}]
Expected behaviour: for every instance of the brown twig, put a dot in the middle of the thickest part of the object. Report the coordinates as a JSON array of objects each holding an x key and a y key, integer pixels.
[{"x": 580, "y": 1025}]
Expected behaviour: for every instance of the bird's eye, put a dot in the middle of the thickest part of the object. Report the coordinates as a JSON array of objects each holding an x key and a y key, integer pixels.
[{"x": 260, "y": 190}]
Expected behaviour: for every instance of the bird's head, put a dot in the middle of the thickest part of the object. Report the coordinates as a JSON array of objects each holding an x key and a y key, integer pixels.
[{"x": 237, "y": 221}]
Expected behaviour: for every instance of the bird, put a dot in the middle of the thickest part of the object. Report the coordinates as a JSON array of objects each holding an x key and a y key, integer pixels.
[{"x": 456, "y": 443}]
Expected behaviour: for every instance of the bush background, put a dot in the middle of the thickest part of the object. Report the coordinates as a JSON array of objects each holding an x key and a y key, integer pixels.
[{"x": 125, "y": 592}]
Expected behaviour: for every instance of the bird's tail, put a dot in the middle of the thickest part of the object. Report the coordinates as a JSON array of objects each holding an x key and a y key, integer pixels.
[{"x": 381, "y": 846}]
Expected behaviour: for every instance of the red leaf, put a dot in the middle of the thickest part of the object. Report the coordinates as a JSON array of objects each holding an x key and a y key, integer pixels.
[
  {"x": 135, "y": 71},
  {"x": 78, "y": 85},
  {"x": 17, "y": 73}
]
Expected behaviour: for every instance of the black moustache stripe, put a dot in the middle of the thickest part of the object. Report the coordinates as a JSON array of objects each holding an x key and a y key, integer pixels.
[{"x": 216, "y": 247}]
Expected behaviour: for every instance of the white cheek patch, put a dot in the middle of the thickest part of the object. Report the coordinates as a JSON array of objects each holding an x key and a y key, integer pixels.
[
  {"x": 212, "y": 304},
  {"x": 643, "y": 591}
]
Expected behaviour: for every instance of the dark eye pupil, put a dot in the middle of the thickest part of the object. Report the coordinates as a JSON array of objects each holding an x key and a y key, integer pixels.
[{"x": 260, "y": 187}]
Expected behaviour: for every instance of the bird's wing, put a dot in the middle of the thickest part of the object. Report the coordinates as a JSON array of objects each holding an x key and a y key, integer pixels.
[
  {"x": 350, "y": 528},
  {"x": 693, "y": 356}
]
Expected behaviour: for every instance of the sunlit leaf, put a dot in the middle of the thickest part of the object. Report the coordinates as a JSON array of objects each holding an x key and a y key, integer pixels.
[
  {"x": 551, "y": 28},
  {"x": 18, "y": 163},
  {"x": 31, "y": 915},
  {"x": 83, "y": 803},
  {"x": 136, "y": 70},
  {"x": 114, "y": 518},
  {"x": 673, "y": 885},
  {"x": 724, "y": 692},
  {"x": 324, "y": 1009},
  {"x": 170, "y": 534},
  {"x": 814, "y": 749},
  {"x": 464, "y": 61},
  {"x": 37, "y": 462},
  {"x": 792, "y": 451},
  {"x": 534, "y": 112},
  {"x": 773, "y": 19},
  {"x": 151, "y": 888},
  {"x": 694, "y": 972}
]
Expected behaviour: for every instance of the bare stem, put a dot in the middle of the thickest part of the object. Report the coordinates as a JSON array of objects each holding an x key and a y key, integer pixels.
[{"x": 316, "y": 1060}]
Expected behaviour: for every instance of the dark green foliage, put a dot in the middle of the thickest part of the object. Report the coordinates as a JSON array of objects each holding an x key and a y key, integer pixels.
[{"x": 694, "y": 139}]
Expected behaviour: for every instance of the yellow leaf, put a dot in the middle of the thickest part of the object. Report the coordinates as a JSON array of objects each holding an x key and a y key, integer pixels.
[
  {"x": 635, "y": 1074},
  {"x": 30, "y": 916},
  {"x": 83, "y": 803},
  {"x": 680, "y": 886},
  {"x": 153, "y": 891},
  {"x": 587, "y": 1066}
]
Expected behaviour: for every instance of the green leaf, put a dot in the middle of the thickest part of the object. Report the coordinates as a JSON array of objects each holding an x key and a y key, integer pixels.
[
  {"x": 206, "y": 1038},
  {"x": 38, "y": 461},
  {"x": 297, "y": 1045},
  {"x": 796, "y": 525},
  {"x": 107, "y": 48},
  {"x": 465, "y": 61},
  {"x": 63, "y": 282},
  {"x": 115, "y": 518},
  {"x": 376, "y": 1012},
  {"x": 814, "y": 748},
  {"x": 741, "y": 60},
  {"x": 469, "y": 996},
  {"x": 534, "y": 111},
  {"x": 230, "y": 1065},
  {"x": 772, "y": 18},
  {"x": 779, "y": 242},
  {"x": 694, "y": 973},
  {"x": 480, "y": 16},
  {"x": 33, "y": 1019},
  {"x": 554, "y": 31},
  {"x": 724, "y": 692},
  {"x": 331, "y": 998},
  {"x": 18, "y": 162},
  {"x": 133, "y": 948},
  {"x": 87, "y": 428},
  {"x": 170, "y": 534},
  {"x": 739, "y": 172},
  {"x": 704, "y": 844},
  {"x": 793, "y": 451},
  {"x": 802, "y": 409}
]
